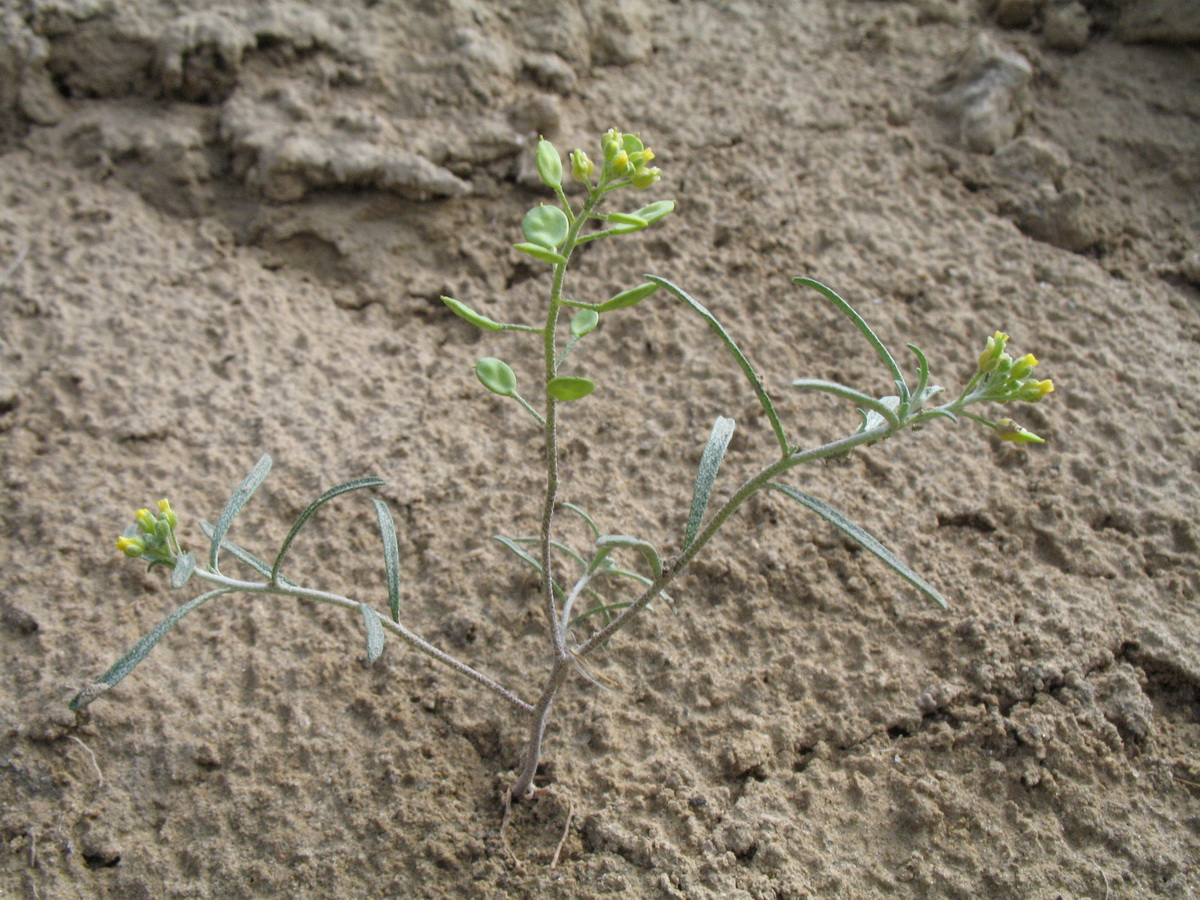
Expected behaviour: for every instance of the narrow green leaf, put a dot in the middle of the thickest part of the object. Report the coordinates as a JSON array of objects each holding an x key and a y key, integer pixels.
[
  {"x": 840, "y": 390},
  {"x": 391, "y": 556},
  {"x": 579, "y": 512},
  {"x": 140, "y": 650},
  {"x": 235, "y": 504},
  {"x": 862, "y": 537},
  {"x": 465, "y": 312},
  {"x": 343, "y": 488},
  {"x": 557, "y": 545},
  {"x": 243, "y": 555},
  {"x": 629, "y": 297},
  {"x": 618, "y": 572},
  {"x": 647, "y": 550},
  {"x": 517, "y": 551},
  {"x": 848, "y": 311},
  {"x": 636, "y": 223},
  {"x": 627, "y": 219},
  {"x": 566, "y": 388},
  {"x": 710, "y": 462},
  {"x": 185, "y": 565},
  {"x": 512, "y": 547},
  {"x": 655, "y": 211},
  {"x": 537, "y": 251},
  {"x": 374, "y": 630},
  {"x": 751, "y": 375}
]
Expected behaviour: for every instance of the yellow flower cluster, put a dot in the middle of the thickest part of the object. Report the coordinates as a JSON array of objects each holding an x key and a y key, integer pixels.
[
  {"x": 153, "y": 536},
  {"x": 626, "y": 157},
  {"x": 1007, "y": 379}
]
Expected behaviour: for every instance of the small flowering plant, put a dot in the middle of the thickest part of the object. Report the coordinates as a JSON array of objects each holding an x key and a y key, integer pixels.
[{"x": 585, "y": 595}]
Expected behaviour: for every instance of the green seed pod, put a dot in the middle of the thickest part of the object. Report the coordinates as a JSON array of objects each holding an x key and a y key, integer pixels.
[
  {"x": 567, "y": 389},
  {"x": 631, "y": 143},
  {"x": 549, "y": 164},
  {"x": 496, "y": 376},
  {"x": 629, "y": 297},
  {"x": 584, "y": 322},
  {"x": 628, "y": 219},
  {"x": 655, "y": 211},
  {"x": 465, "y": 312},
  {"x": 537, "y": 251},
  {"x": 546, "y": 226}
]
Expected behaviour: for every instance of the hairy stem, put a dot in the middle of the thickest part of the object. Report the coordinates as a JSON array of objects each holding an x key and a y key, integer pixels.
[
  {"x": 550, "y": 352},
  {"x": 523, "y": 786},
  {"x": 288, "y": 590},
  {"x": 751, "y": 486},
  {"x": 561, "y": 668}
]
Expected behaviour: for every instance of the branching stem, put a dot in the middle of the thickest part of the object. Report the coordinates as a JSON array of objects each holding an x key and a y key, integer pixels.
[{"x": 418, "y": 642}]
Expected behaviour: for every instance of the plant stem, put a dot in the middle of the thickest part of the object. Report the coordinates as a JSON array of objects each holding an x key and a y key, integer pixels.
[
  {"x": 751, "y": 486},
  {"x": 561, "y": 667},
  {"x": 550, "y": 352},
  {"x": 558, "y": 634},
  {"x": 537, "y": 729},
  {"x": 262, "y": 587}
]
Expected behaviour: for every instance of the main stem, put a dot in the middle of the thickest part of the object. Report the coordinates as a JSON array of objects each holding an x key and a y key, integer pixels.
[
  {"x": 561, "y": 669},
  {"x": 558, "y": 637}
]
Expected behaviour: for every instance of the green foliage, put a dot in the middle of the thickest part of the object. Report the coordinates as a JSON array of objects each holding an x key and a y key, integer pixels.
[{"x": 581, "y": 616}]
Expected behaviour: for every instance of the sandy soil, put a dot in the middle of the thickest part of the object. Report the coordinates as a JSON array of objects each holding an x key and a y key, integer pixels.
[{"x": 226, "y": 231}]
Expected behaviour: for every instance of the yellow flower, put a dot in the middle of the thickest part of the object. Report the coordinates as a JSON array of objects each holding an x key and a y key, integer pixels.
[
  {"x": 1033, "y": 391},
  {"x": 164, "y": 507},
  {"x": 992, "y": 352},
  {"x": 645, "y": 177},
  {"x": 131, "y": 546},
  {"x": 146, "y": 520},
  {"x": 1023, "y": 366}
]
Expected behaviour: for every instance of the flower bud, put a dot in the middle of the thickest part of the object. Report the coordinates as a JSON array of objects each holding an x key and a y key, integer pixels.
[
  {"x": 644, "y": 177},
  {"x": 581, "y": 167},
  {"x": 610, "y": 143},
  {"x": 164, "y": 507},
  {"x": 639, "y": 158},
  {"x": 131, "y": 547},
  {"x": 146, "y": 520},
  {"x": 1023, "y": 366},
  {"x": 993, "y": 351},
  {"x": 1033, "y": 391}
]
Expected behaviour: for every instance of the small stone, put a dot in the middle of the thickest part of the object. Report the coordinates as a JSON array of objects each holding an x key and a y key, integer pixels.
[
  {"x": 1120, "y": 697},
  {"x": 1159, "y": 22},
  {"x": 550, "y": 71},
  {"x": 1066, "y": 26},
  {"x": 986, "y": 96},
  {"x": 1030, "y": 160},
  {"x": 1190, "y": 267},
  {"x": 1016, "y": 13}
]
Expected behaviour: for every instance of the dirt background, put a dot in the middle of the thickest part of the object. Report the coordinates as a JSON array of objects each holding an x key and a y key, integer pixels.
[{"x": 225, "y": 230}]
